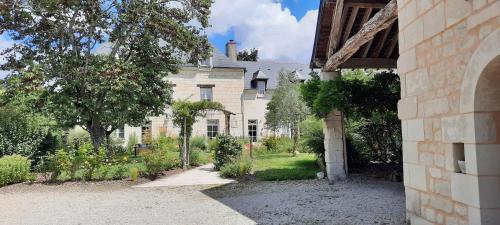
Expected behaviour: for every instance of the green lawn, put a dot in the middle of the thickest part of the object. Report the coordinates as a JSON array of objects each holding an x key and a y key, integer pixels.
[{"x": 283, "y": 166}]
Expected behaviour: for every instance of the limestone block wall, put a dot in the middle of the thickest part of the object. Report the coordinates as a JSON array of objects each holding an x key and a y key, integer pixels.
[
  {"x": 255, "y": 109},
  {"x": 228, "y": 85},
  {"x": 444, "y": 46}
]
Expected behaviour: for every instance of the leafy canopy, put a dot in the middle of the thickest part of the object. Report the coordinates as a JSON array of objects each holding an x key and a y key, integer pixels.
[
  {"x": 286, "y": 108},
  {"x": 101, "y": 63},
  {"x": 248, "y": 55}
]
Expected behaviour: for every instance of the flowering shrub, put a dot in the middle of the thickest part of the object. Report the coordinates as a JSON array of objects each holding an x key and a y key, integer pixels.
[
  {"x": 14, "y": 169},
  {"x": 226, "y": 148}
]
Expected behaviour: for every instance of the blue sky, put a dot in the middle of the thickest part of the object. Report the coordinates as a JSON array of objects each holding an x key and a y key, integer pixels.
[{"x": 282, "y": 30}]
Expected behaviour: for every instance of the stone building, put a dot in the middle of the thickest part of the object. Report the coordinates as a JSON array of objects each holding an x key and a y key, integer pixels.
[
  {"x": 244, "y": 88},
  {"x": 449, "y": 65}
]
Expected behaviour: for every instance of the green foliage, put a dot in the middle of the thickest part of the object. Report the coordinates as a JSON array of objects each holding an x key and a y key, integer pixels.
[
  {"x": 236, "y": 168},
  {"x": 312, "y": 136},
  {"x": 369, "y": 102},
  {"x": 134, "y": 174},
  {"x": 77, "y": 137},
  {"x": 14, "y": 169},
  {"x": 184, "y": 115},
  {"x": 20, "y": 134},
  {"x": 226, "y": 149},
  {"x": 69, "y": 162},
  {"x": 132, "y": 141},
  {"x": 159, "y": 161},
  {"x": 140, "y": 43},
  {"x": 90, "y": 160},
  {"x": 278, "y": 144},
  {"x": 248, "y": 55},
  {"x": 200, "y": 143},
  {"x": 165, "y": 143},
  {"x": 286, "y": 108}
]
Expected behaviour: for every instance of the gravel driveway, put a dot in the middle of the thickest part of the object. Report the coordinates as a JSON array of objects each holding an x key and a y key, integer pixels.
[{"x": 357, "y": 201}]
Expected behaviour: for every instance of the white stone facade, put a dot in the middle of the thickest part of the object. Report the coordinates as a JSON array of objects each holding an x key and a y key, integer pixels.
[{"x": 449, "y": 67}]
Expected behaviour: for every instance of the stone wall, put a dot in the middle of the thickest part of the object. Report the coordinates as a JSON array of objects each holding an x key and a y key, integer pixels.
[
  {"x": 228, "y": 90},
  {"x": 444, "y": 47}
]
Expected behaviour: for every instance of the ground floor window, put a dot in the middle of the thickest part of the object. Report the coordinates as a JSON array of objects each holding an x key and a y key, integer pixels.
[
  {"x": 121, "y": 133},
  {"x": 212, "y": 128},
  {"x": 252, "y": 130}
]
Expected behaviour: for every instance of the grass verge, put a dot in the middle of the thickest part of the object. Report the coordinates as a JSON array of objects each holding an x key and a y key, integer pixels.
[{"x": 283, "y": 166}]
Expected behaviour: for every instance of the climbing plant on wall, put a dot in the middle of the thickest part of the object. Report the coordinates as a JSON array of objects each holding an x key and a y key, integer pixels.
[
  {"x": 184, "y": 115},
  {"x": 369, "y": 102}
]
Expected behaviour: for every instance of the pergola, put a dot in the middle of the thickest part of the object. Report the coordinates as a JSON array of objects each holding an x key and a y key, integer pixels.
[
  {"x": 351, "y": 34},
  {"x": 356, "y": 34}
]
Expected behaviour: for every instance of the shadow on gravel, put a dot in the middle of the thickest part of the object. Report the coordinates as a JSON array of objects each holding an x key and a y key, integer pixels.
[{"x": 360, "y": 200}]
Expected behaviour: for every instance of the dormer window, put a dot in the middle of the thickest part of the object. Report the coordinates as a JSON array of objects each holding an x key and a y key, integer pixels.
[
  {"x": 261, "y": 87},
  {"x": 259, "y": 82},
  {"x": 205, "y": 63}
]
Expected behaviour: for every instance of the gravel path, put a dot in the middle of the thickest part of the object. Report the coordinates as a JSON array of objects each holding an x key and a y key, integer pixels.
[{"x": 357, "y": 201}]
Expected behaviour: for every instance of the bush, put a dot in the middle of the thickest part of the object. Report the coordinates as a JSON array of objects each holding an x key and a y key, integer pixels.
[
  {"x": 312, "y": 136},
  {"x": 19, "y": 134},
  {"x": 158, "y": 161},
  {"x": 77, "y": 137},
  {"x": 236, "y": 168},
  {"x": 271, "y": 143},
  {"x": 134, "y": 173},
  {"x": 90, "y": 160},
  {"x": 226, "y": 148},
  {"x": 278, "y": 144},
  {"x": 200, "y": 143},
  {"x": 165, "y": 143},
  {"x": 14, "y": 169}
]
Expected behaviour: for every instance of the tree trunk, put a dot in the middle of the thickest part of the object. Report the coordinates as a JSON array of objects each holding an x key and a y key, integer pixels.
[
  {"x": 97, "y": 134},
  {"x": 295, "y": 139},
  {"x": 185, "y": 147}
]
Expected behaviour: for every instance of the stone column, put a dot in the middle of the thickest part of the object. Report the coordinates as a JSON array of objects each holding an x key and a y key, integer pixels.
[{"x": 334, "y": 140}]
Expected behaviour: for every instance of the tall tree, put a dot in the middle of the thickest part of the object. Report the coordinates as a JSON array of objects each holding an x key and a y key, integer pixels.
[
  {"x": 249, "y": 55},
  {"x": 55, "y": 52},
  {"x": 184, "y": 115},
  {"x": 286, "y": 108}
]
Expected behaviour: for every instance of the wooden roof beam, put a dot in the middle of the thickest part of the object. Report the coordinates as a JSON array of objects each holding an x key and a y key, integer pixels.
[
  {"x": 376, "y": 53},
  {"x": 367, "y": 15},
  {"x": 350, "y": 23},
  {"x": 382, "y": 20},
  {"x": 334, "y": 30},
  {"x": 392, "y": 46}
]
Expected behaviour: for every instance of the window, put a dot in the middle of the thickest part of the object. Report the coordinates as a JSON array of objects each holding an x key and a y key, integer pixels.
[
  {"x": 206, "y": 93},
  {"x": 212, "y": 128},
  {"x": 120, "y": 133},
  {"x": 252, "y": 130},
  {"x": 261, "y": 87}
]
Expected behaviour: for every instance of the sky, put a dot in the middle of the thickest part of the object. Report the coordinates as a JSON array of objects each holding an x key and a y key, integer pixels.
[{"x": 282, "y": 30}]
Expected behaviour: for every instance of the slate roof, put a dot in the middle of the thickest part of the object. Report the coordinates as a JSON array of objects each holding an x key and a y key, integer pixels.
[
  {"x": 272, "y": 70},
  {"x": 259, "y": 75}
]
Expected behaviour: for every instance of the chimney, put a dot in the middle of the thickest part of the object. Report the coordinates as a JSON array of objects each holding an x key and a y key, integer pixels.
[{"x": 231, "y": 50}]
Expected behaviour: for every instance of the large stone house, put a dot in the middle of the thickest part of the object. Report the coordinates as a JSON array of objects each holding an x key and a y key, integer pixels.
[
  {"x": 448, "y": 60},
  {"x": 244, "y": 88}
]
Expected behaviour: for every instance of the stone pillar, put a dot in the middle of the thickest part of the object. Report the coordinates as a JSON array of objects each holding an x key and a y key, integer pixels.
[{"x": 334, "y": 140}]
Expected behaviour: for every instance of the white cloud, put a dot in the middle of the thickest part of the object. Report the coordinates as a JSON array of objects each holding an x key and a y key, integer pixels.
[{"x": 265, "y": 25}]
